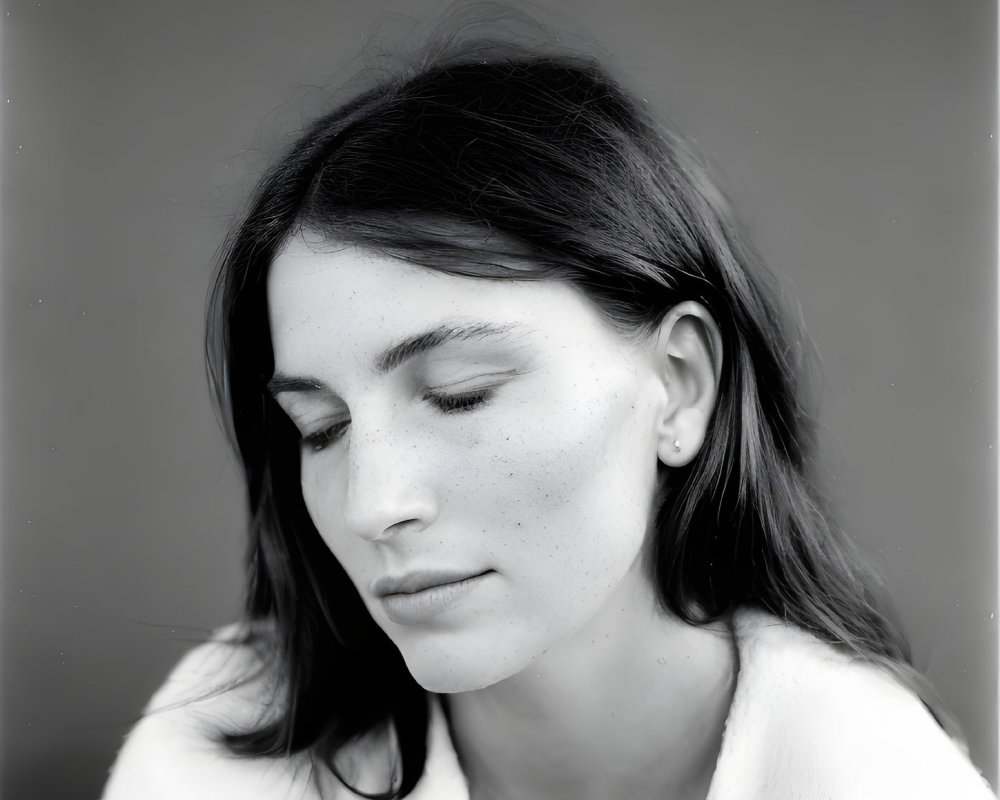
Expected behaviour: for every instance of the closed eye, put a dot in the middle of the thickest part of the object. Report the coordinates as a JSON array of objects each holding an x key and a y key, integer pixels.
[
  {"x": 445, "y": 402},
  {"x": 322, "y": 439},
  {"x": 462, "y": 401}
]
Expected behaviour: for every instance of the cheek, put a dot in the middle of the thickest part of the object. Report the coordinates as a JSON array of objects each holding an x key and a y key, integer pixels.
[
  {"x": 574, "y": 485},
  {"x": 324, "y": 492}
]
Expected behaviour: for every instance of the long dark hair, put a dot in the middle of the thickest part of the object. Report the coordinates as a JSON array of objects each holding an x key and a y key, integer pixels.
[{"x": 500, "y": 162}]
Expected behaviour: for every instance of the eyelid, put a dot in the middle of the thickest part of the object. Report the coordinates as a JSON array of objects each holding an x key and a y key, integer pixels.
[
  {"x": 329, "y": 433},
  {"x": 486, "y": 380},
  {"x": 322, "y": 423},
  {"x": 309, "y": 408},
  {"x": 308, "y": 424},
  {"x": 300, "y": 405}
]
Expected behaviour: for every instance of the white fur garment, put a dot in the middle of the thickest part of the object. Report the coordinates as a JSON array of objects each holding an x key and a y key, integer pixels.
[{"x": 807, "y": 723}]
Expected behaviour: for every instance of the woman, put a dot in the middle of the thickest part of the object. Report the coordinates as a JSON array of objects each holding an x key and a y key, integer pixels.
[{"x": 528, "y": 473}]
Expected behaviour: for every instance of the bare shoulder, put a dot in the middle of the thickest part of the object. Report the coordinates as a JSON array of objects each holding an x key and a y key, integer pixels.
[
  {"x": 176, "y": 749},
  {"x": 809, "y": 715}
]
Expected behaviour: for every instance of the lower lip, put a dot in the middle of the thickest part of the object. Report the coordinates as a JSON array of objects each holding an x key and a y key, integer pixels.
[{"x": 410, "y": 609}]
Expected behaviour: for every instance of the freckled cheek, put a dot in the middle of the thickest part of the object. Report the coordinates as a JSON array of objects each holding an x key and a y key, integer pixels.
[
  {"x": 561, "y": 511},
  {"x": 569, "y": 461}
]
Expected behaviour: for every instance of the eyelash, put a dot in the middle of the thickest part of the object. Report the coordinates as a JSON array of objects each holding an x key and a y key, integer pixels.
[
  {"x": 457, "y": 403},
  {"x": 445, "y": 403},
  {"x": 322, "y": 439}
]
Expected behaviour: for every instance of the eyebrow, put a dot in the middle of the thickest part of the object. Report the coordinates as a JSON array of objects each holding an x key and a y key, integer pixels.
[{"x": 398, "y": 354}]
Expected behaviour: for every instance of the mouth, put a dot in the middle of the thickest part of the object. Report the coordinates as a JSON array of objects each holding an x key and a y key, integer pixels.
[
  {"x": 421, "y": 581},
  {"x": 421, "y": 596}
]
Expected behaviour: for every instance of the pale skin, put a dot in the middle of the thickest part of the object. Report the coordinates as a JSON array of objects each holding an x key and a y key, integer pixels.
[{"x": 505, "y": 432}]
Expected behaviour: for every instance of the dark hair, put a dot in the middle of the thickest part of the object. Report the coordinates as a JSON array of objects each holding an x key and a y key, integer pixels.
[{"x": 501, "y": 162}]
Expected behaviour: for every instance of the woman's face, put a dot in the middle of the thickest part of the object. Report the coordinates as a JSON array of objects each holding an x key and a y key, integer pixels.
[{"x": 479, "y": 455}]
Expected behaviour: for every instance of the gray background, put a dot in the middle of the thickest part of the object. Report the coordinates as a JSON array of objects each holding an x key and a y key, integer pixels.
[{"x": 858, "y": 141}]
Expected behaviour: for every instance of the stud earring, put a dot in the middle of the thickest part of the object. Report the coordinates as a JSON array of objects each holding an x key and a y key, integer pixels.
[{"x": 677, "y": 446}]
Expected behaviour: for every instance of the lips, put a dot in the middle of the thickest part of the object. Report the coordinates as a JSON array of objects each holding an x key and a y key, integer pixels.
[
  {"x": 427, "y": 597},
  {"x": 419, "y": 581}
]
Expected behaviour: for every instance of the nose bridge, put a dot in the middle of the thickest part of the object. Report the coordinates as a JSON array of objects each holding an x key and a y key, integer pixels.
[{"x": 386, "y": 485}]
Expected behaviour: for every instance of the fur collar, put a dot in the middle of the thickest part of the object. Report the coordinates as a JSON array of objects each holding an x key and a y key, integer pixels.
[{"x": 807, "y": 723}]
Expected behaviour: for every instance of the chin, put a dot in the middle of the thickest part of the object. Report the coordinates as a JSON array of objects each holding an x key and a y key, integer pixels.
[{"x": 451, "y": 671}]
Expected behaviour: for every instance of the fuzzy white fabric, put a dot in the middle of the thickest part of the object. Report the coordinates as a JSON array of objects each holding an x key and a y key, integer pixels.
[
  {"x": 807, "y": 723},
  {"x": 810, "y": 723}
]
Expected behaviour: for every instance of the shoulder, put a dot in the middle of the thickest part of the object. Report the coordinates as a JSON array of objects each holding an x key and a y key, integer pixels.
[
  {"x": 175, "y": 750},
  {"x": 810, "y": 721}
]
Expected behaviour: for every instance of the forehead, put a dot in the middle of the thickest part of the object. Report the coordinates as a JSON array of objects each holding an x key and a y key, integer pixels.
[
  {"x": 314, "y": 283},
  {"x": 312, "y": 278},
  {"x": 346, "y": 319}
]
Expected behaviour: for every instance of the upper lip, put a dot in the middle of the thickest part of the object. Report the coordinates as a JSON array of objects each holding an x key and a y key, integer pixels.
[{"x": 419, "y": 580}]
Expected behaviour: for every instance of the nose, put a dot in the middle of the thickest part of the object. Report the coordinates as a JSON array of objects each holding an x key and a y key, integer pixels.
[{"x": 387, "y": 487}]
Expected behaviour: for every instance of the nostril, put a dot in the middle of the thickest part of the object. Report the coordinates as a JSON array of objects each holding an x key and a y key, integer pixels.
[{"x": 390, "y": 513}]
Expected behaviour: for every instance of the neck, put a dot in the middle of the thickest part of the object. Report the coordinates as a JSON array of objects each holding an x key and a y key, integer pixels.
[{"x": 631, "y": 706}]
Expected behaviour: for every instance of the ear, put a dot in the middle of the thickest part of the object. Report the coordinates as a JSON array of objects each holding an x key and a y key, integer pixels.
[{"x": 689, "y": 358}]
